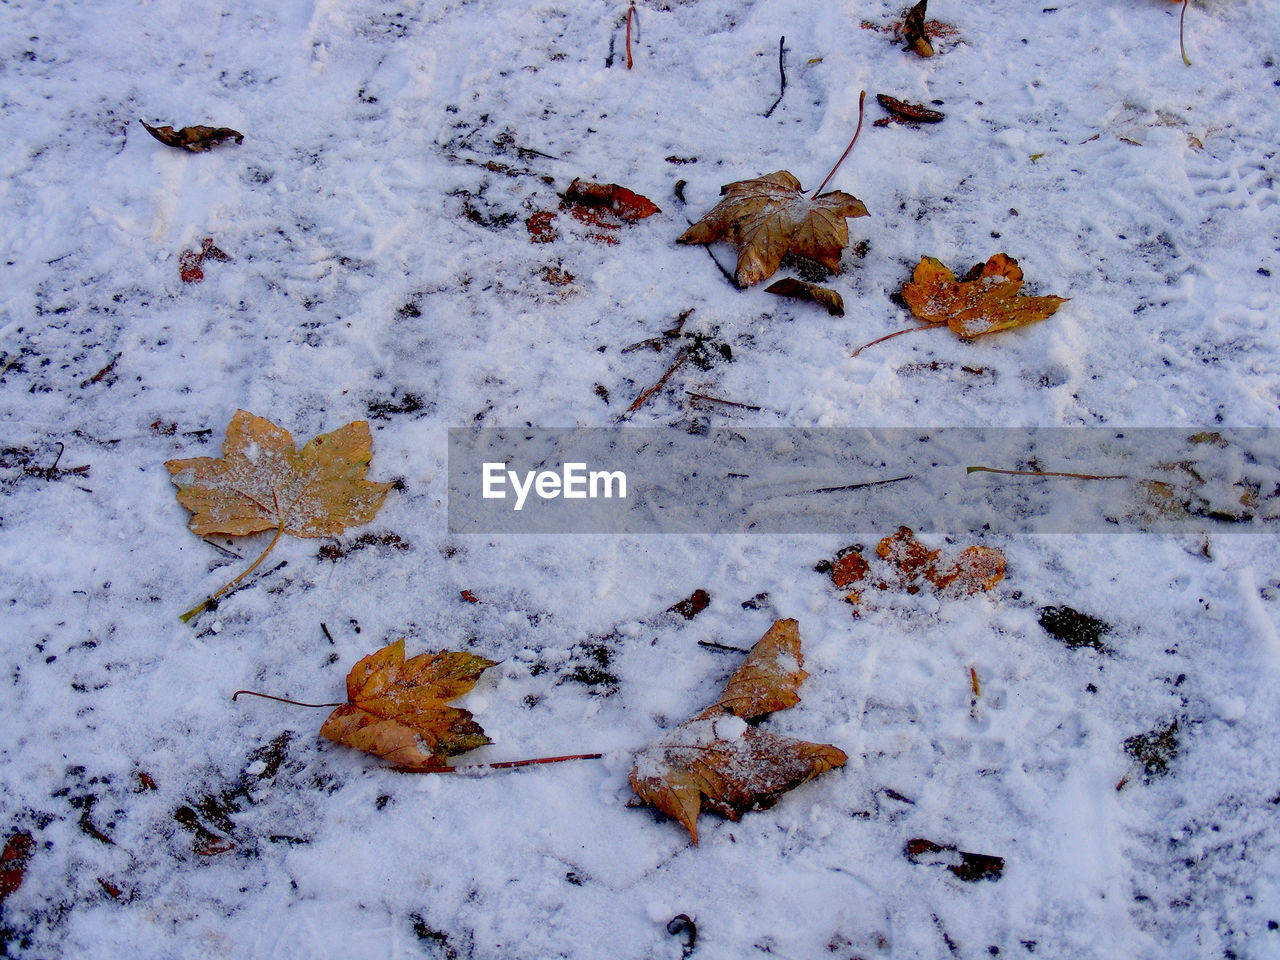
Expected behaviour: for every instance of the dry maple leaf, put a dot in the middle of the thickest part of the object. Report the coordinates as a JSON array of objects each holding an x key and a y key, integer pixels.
[
  {"x": 196, "y": 139},
  {"x": 769, "y": 217},
  {"x": 398, "y": 709},
  {"x": 715, "y": 760},
  {"x": 985, "y": 301},
  {"x": 262, "y": 483}
]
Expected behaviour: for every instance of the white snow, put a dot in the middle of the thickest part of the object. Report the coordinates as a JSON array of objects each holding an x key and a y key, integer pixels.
[{"x": 382, "y": 270}]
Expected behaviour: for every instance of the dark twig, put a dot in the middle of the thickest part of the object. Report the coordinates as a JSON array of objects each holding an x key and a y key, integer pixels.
[
  {"x": 501, "y": 765},
  {"x": 782, "y": 72},
  {"x": 681, "y": 357},
  {"x": 859, "y": 486},
  {"x": 722, "y": 646},
  {"x": 327, "y": 635},
  {"x": 728, "y": 403}
]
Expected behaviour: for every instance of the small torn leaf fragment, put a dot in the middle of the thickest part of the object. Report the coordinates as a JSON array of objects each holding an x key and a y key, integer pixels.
[
  {"x": 902, "y": 112},
  {"x": 692, "y": 605},
  {"x": 970, "y": 867},
  {"x": 717, "y": 761},
  {"x": 985, "y": 301},
  {"x": 769, "y": 217},
  {"x": 1155, "y": 750},
  {"x": 906, "y": 564},
  {"x": 1074, "y": 628},
  {"x": 627, "y": 205},
  {"x": 14, "y": 862},
  {"x": 803, "y": 290},
  {"x": 913, "y": 30},
  {"x": 195, "y": 139},
  {"x": 397, "y": 708},
  {"x": 190, "y": 261},
  {"x": 541, "y": 227}
]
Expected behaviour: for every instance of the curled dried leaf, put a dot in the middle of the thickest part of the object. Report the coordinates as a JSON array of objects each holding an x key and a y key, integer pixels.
[
  {"x": 904, "y": 112},
  {"x": 715, "y": 760},
  {"x": 913, "y": 30},
  {"x": 195, "y": 139},
  {"x": 803, "y": 290},
  {"x": 769, "y": 217}
]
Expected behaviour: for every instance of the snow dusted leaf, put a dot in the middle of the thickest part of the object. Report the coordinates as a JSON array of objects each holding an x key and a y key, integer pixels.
[
  {"x": 900, "y": 111},
  {"x": 769, "y": 217},
  {"x": 715, "y": 760},
  {"x": 263, "y": 483},
  {"x": 195, "y": 139},
  {"x": 985, "y": 301},
  {"x": 398, "y": 710},
  {"x": 803, "y": 290},
  {"x": 769, "y": 677}
]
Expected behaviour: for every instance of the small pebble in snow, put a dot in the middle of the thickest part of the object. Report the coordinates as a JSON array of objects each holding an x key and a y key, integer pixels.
[
  {"x": 256, "y": 769},
  {"x": 215, "y": 627}
]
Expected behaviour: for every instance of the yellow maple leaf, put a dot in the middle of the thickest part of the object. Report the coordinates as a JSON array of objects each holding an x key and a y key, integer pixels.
[
  {"x": 769, "y": 217},
  {"x": 262, "y": 482},
  {"x": 398, "y": 709},
  {"x": 985, "y": 301},
  {"x": 715, "y": 760}
]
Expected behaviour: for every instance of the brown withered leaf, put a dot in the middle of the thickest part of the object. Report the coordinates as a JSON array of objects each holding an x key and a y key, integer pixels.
[
  {"x": 803, "y": 290},
  {"x": 908, "y": 565},
  {"x": 903, "y": 112},
  {"x": 398, "y": 709},
  {"x": 913, "y": 30},
  {"x": 716, "y": 761},
  {"x": 262, "y": 482},
  {"x": 769, "y": 217},
  {"x": 985, "y": 301},
  {"x": 627, "y": 205},
  {"x": 196, "y": 139}
]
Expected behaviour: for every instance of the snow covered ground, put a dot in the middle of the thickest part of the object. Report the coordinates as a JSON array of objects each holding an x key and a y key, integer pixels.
[{"x": 382, "y": 269}]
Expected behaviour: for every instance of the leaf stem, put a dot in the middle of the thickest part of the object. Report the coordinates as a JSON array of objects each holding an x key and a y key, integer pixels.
[
  {"x": 1048, "y": 473},
  {"x": 1182, "y": 22},
  {"x": 204, "y": 604},
  {"x": 862, "y": 99},
  {"x": 501, "y": 765},
  {"x": 296, "y": 703},
  {"x": 890, "y": 336},
  {"x": 630, "y": 13}
]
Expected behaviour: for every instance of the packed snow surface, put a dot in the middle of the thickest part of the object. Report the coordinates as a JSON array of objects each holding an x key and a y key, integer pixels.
[{"x": 378, "y": 219}]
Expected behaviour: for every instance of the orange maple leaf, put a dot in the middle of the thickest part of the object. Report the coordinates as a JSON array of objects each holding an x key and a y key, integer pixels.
[
  {"x": 985, "y": 301},
  {"x": 398, "y": 709}
]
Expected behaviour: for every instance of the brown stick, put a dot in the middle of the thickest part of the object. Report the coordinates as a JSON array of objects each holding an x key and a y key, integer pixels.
[
  {"x": 502, "y": 765},
  {"x": 1047, "y": 473},
  {"x": 862, "y": 99},
  {"x": 890, "y": 336},
  {"x": 782, "y": 72},
  {"x": 728, "y": 403},
  {"x": 681, "y": 357}
]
